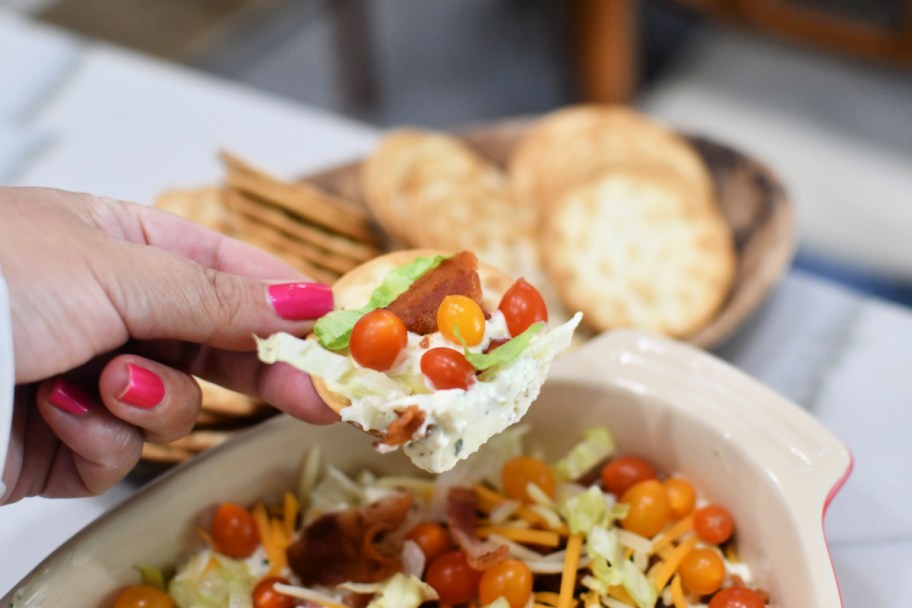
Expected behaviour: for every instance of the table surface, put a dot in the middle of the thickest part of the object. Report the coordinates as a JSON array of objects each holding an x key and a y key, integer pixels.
[{"x": 89, "y": 117}]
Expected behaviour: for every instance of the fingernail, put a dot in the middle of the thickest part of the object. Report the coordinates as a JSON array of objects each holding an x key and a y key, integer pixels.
[
  {"x": 70, "y": 398},
  {"x": 301, "y": 301},
  {"x": 144, "y": 388}
]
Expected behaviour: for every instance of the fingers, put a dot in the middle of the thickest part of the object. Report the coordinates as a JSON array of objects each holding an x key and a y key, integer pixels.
[
  {"x": 162, "y": 402},
  {"x": 175, "y": 298}
]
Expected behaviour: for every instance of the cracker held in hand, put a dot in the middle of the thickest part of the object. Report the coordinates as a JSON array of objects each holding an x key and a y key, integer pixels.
[
  {"x": 428, "y": 352},
  {"x": 631, "y": 249}
]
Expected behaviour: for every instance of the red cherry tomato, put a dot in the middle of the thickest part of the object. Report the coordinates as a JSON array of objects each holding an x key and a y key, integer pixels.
[
  {"x": 447, "y": 368},
  {"x": 624, "y": 471},
  {"x": 455, "y": 581},
  {"x": 143, "y": 596},
  {"x": 713, "y": 524},
  {"x": 648, "y": 511},
  {"x": 737, "y": 597},
  {"x": 702, "y": 571},
  {"x": 510, "y": 579},
  {"x": 432, "y": 538},
  {"x": 518, "y": 472},
  {"x": 264, "y": 596},
  {"x": 464, "y": 313},
  {"x": 522, "y": 306},
  {"x": 377, "y": 338},
  {"x": 234, "y": 531}
]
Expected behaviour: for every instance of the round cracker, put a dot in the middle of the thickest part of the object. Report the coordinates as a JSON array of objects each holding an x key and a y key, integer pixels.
[
  {"x": 573, "y": 145},
  {"x": 353, "y": 290},
  {"x": 630, "y": 250}
]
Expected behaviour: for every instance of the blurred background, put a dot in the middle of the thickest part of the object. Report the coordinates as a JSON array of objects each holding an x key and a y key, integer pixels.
[{"x": 819, "y": 89}]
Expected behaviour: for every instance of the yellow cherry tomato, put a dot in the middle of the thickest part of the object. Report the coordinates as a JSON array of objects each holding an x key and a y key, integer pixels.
[
  {"x": 648, "y": 511},
  {"x": 681, "y": 497},
  {"x": 519, "y": 472},
  {"x": 464, "y": 313},
  {"x": 702, "y": 571}
]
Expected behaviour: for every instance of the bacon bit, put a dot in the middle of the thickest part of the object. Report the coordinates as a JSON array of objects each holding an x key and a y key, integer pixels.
[
  {"x": 457, "y": 275},
  {"x": 403, "y": 428},
  {"x": 425, "y": 342},
  {"x": 352, "y": 545},
  {"x": 495, "y": 343},
  {"x": 481, "y": 554}
]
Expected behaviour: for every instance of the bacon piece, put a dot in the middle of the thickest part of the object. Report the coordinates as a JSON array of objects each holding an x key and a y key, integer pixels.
[
  {"x": 481, "y": 554},
  {"x": 417, "y": 306},
  {"x": 352, "y": 545},
  {"x": 403, "y": 428}
]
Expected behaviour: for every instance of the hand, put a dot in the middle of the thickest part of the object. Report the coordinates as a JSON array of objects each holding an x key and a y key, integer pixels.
[{"x": 114, "y": 305}]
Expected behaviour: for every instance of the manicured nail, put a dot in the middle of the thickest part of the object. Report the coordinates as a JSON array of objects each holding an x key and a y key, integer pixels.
[
  {"x": 144, "y": 388},
  {"x": 301, "y": 301},
  {"x": 70, "y": 398}
]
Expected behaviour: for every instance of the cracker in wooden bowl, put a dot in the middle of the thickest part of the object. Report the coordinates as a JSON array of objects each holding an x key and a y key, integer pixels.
[
  {"x": 630, "y": 248},
  {"x": 574, "y": 144}
]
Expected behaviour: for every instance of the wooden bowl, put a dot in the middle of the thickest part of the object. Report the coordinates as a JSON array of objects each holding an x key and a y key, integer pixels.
[{"x": 753, "y": 202}]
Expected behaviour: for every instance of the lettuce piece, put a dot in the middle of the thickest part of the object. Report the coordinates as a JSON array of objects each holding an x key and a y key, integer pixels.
[
  {"x": 597, "y": 445},
  {"x": 498, "y": 603},
  {"x": 584, "y": 511},
  {"x": 398, "y": 591},
  {"x": 333, "y": 330},
  {"x": 504, "y": 354},
  {"x": 609, "y": 568},
  {"x": 212, "y": 580}
]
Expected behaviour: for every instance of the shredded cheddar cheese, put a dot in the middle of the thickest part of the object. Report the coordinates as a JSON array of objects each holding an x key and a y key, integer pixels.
[
  {"x": 546, "y": 538},
  {"x": 677, "y": 593},
  {"x": 676, "y": 531},
  {"x": 665, "y": 570},
  {"x": 568, "y": 576}
]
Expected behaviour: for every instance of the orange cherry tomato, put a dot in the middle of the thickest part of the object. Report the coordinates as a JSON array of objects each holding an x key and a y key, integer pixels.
[
  {"x": 520, "y": 471},
  {"x": 681, "y": 497},
  {"x": 713, "y": 524},
  {"x": 451, "y": 576},
  {"x": 234, "y": 531},
  {"x": 624, "y": 471},
  {"x": 447, "y": 368},
  {"x": 648, "y": 511},
  {"x": 143, "y": 596},
  {"x": 464, "y": 313},
  {"x": 510, "y": 579},
  {"x": 737, "y": 597},
  {"x": 702, "y": 571},
  {"x": 522, "y": 306},
  {"x": 265, "y": 596},
  {"x": 377, "y": 338},
  {"x": 432, "y": 538}
]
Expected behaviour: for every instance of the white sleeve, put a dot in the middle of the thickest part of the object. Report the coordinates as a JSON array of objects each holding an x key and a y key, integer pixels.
[{"x": 7, "y": 376}]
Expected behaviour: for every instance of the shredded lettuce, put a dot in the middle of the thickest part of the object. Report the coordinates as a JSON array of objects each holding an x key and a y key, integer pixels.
[
  {"x": 502, "y": 355},
  {"x": 584, "y": 510},
  {"x": 609, "y": 568},
  {"x": 152, "y": 577},
  {"x": 211, "y": 580},
  {"x": 596, "y": 446},
  {"x": 498, "y": 603},
  {"x": 334, "y": 329},
  {"x": 398, "y": 591}
]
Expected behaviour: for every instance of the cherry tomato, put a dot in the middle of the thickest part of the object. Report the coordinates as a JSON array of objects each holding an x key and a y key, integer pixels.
[
  {"x": 681, "y": 497},
  {"x": 264, "y": 596},
  {"x": 624, "y": 471},
  {"x": 713, "y": 524},
  {"x": 510, "y": 579},
  {"x": 377, "y": 338},
  {"x": 234, "y": 531},
  {"x": 520, "y": 471},
  {"x": 702, "y": 571},
  {"x": 455, "y": 581},
  {"x": 143, "y": 596},
  {"x": 522, "y": 306},
  {"x": 737, "y": 597},
  {"x": 447, "y": 368},
  {"x": 648, "y": 510},
  {"x": 464, "y": 313},
  {"x": 432, "y": 538}
]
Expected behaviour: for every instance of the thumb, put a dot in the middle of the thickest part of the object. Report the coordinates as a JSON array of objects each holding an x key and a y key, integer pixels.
[{"x": 160, "y": 294}]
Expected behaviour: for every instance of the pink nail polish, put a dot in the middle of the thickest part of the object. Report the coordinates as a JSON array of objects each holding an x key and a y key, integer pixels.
[
  {"x": 69, "y": 398},
  {"x": 301, "y": 301},
  {"x": 144, "y": 388}
]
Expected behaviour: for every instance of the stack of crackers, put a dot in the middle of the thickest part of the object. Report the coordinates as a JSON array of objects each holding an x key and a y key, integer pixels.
[{"x": 605, "y": 210}]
